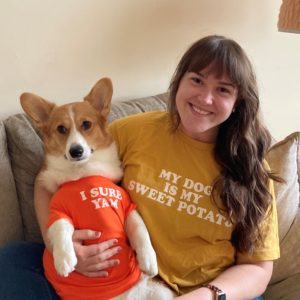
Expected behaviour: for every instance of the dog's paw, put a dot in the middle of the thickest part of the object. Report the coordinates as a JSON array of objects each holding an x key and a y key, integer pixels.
[
  {"x": 147, "y": 261},
  {"x": 64, "y": 261}
]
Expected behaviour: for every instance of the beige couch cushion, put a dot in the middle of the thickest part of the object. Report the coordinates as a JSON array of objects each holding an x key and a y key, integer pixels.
[
  {"x": 284, "y": 159},
  {"x": 10, "y": 217},
  {"x": 26, "y": 152},
  {"x": 288, "y": 289},
  {"x": 130, "y": 107}
]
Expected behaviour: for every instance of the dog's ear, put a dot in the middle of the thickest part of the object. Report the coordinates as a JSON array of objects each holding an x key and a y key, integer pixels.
[
  {"x": 37, "y": 108},
  {"x": 100, "y": 96}
]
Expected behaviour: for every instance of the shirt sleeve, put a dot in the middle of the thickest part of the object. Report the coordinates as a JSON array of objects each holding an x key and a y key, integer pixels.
[
  {"x": 57, "y": 209},
  {"x": 114, "y": 131}
]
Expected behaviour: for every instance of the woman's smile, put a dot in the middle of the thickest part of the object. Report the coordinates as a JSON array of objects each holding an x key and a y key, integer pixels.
[{"x": 199, "y": 110}]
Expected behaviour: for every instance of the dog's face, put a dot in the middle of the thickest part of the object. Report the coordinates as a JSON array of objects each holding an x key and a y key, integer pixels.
[{"x": 73, "y": 130}]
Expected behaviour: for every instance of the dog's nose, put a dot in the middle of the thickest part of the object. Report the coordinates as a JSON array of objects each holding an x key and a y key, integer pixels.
[{"x": 76, "y": 151}]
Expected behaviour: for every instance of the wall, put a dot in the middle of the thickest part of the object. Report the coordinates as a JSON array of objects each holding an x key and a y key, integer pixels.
[{"x": 59, "y": 49}]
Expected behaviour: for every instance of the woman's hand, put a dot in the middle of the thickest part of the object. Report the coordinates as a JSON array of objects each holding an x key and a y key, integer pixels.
[{"x": 93, "y": 260}]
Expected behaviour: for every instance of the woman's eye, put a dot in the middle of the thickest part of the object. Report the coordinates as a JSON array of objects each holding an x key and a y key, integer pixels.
[
  {"x": 61, "y": 129},
  {"x": 224, "y": 90},
  {"x": 196, "y": 80},
  {"x": 86, "y": 125}
]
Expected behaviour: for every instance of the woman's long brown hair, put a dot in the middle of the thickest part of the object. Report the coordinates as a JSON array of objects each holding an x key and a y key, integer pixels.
[{"x": 242, "y": 140}]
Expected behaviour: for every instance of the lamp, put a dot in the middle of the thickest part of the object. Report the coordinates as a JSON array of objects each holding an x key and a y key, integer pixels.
[{"x": 289, "y": 16}]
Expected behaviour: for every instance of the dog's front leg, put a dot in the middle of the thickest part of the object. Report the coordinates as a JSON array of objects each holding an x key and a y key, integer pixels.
[
  {"x": 60, "y": 235},
  {"x": 140, "y": 242}
]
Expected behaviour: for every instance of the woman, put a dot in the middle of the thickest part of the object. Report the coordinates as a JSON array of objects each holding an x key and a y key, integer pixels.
[{"x": 198, "y": 176}]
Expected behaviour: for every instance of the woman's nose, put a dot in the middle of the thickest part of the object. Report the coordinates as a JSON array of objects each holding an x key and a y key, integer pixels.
[{"x": 206, "y": 96}]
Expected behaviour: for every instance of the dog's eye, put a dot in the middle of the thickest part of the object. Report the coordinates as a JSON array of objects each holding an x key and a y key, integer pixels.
[
  {"x": 61, "y": 129},
  {"x": 86, "y": 125}
]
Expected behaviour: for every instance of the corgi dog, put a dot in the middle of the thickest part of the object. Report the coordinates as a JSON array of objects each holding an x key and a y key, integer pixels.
[{"x": 81, "y": 168}]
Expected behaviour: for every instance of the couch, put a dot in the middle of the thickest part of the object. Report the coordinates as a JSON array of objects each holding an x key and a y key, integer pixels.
[{"x": 21, "y": 155}]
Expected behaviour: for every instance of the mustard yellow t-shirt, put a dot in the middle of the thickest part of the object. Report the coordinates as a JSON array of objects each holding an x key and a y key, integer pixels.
[{"x": 169, "y": 176}]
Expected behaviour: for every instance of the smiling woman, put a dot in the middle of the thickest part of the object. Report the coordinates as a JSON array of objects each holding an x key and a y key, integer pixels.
[{"x": 214, "y": 98}]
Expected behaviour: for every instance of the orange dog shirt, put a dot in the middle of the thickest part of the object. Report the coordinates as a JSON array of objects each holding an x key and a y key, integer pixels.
[{"x": 94, "y": 203}]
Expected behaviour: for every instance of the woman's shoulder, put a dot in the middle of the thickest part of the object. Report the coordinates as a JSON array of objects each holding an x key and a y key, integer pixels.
[
  {"x": 139, "y": 128},
  {"x": 140, "y": 120}
]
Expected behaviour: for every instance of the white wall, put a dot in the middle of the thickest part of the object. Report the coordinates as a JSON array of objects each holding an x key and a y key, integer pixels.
[{"x": 60, "y": 48}]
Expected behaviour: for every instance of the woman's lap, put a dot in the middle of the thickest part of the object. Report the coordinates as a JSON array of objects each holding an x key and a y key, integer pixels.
[{"x": 21, "y": 273}]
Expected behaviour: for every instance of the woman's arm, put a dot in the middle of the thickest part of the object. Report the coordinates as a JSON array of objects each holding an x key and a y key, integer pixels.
[
  {"x": 92, "y": 260},
  {"x": 244, "y": 280},
  {"x": 42, "y": 203}
]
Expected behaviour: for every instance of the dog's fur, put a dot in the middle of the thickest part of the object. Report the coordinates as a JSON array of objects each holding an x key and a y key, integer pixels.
[{"x": 77, "y": 144}]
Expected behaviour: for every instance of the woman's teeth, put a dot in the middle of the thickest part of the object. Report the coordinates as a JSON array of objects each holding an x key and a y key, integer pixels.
[{"x": 199, "y": 110}]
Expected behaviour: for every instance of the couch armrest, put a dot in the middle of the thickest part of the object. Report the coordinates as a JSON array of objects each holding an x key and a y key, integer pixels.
[{"x": 10, "y": 216}]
